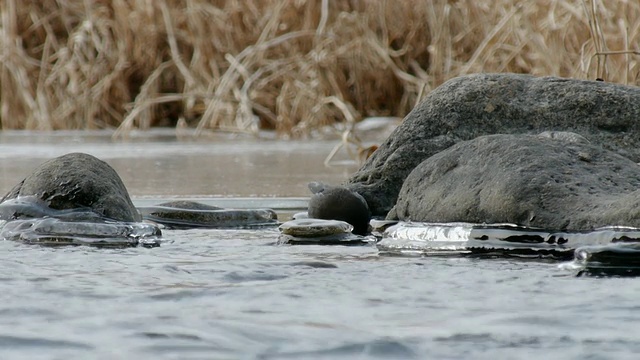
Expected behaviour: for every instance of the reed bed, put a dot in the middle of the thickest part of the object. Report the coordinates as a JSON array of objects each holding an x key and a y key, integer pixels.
[{"x": 294, "y": 66}]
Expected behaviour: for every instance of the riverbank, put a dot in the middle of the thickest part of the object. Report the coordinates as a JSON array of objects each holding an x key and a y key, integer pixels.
[{"x": 284, "y": 65}]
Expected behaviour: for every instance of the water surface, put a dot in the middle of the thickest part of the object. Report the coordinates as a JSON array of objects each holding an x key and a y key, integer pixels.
[{"x": 225, "y": 294}]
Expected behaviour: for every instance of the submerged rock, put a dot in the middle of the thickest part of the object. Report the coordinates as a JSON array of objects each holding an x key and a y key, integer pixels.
[
  {"x": 339, "y": 203},
  {"x": 525, "y": 180},
  {"x": 189, "y": 214},
  {"x": 466, "y": 107},
  {"x": 76, "y": 181}
]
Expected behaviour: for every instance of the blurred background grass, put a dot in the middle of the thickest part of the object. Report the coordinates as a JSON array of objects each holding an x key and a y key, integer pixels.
[{"x": 293, "y": 66}]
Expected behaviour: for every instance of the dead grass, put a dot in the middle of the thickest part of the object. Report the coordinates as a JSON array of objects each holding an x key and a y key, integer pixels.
[{"x": 289, "y": 65}]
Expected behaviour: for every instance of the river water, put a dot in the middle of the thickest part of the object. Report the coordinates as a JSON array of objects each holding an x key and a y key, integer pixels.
[{"x": 235, "y": 294}]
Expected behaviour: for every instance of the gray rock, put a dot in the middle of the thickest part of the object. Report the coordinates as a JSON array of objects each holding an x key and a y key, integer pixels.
[
  {"x": 78, "y": 181},
  {"x": 184, "y": 214},
  {"x": 470, "y": 106},
  {"x": 565, "y": 136},
  {"x": 319, "y": 232},
  {"x": 315, "y": 227},
  {"x": 524, "y": 180}
]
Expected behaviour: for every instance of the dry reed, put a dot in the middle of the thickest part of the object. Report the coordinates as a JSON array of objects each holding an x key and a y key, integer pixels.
[{"x": 288, "y": 65}]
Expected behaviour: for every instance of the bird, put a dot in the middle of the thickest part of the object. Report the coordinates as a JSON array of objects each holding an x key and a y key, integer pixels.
[{"x": 339, "y": 203}]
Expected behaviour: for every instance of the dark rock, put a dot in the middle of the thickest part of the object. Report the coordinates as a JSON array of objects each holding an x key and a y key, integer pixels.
[
  {"x": 184, "y": 214},
  {"x": 339, "y": 203},
  {"x": 525, "y": 180},
  {"x": 464, "y": 108},
  {"x": 78, "y": 181},
  {"x": 189, "y": 205}
]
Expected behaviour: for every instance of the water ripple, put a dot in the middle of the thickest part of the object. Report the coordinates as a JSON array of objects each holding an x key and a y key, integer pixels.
[
  {"x": 239, "y": 277},
  {"x": 377, "y": 349},
  {"x": 9, "y": 341}
]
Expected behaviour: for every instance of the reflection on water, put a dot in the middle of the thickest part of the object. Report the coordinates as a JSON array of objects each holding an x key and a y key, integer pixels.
[{"x": 164, "y": 167}]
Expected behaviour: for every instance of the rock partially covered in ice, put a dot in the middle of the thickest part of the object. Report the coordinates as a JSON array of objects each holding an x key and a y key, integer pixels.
[
  {"x": 318, "y": 231},
  {"x": 506, "y": 240},
  {"x": 76, "y": 181},
  {"x": 74, "y": 199},
  {"x": 57, "y": 232},
  {"x": 190, "y": 214},
  {"x": 526, "y": 180},
  {"x": 469, "y": 106}
]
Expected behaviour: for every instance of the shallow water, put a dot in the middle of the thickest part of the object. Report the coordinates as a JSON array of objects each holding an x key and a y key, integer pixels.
[{"x": 220, "y": 294}]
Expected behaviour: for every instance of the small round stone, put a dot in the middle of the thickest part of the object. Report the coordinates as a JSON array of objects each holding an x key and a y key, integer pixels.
[{"x": 315, "y": 227}]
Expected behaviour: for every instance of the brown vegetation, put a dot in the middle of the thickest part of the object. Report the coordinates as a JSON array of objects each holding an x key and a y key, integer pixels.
[{"x": 288, "y": 65}]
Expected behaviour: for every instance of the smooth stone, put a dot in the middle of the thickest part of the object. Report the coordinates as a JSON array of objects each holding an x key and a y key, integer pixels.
[
  {"x": 470, "y": 106},
  {"x": 190, "y": 214},
  {"x": 525, "y": 180},
  {"x": 319, "y": 232},
  {"x": 315, "y": 227},
  {"x": 76, "y": 181},
  {"x": 339, "y": 203}
]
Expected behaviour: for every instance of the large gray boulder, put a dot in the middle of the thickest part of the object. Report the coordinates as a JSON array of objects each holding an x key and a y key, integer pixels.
[
  {"x": 527, "y": 180},
  {"x": 76, "y": 181},
  {"x": 470, "y": 106}
]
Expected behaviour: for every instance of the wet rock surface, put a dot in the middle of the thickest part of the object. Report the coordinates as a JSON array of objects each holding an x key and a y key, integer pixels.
[
  {"x": 57, "y": 232},
  {"x": 315, "y": 227},
  {"x": 77, "y": 181},
  {"x": 470, "y": 106},
  {"x": 190, "y": 214},
  {"x": 319, "y": 232},
  {"x": 525, "y": 180}
]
